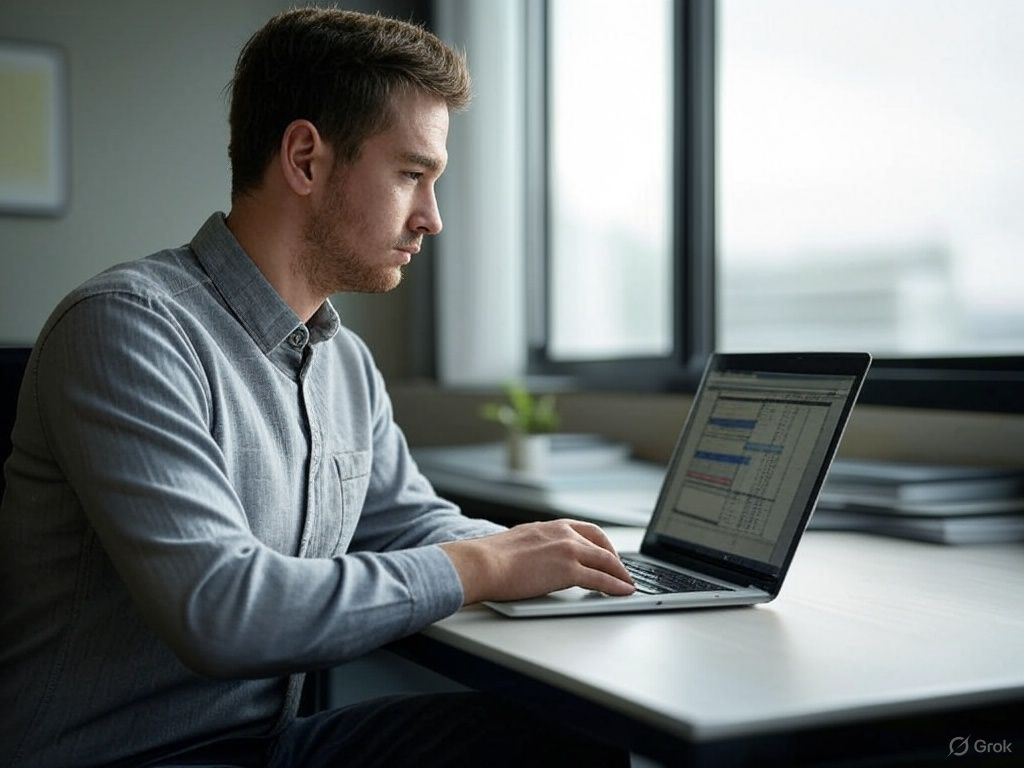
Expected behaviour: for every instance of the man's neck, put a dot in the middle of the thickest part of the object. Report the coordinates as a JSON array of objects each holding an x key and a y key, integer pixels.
[{"x": 273, "y": 240}]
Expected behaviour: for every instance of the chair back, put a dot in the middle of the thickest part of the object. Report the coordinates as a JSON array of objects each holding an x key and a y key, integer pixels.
[{"x": 13, "y": 361}]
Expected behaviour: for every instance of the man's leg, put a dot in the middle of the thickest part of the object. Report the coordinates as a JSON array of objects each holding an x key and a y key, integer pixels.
[{"x": 423, "y": 731}]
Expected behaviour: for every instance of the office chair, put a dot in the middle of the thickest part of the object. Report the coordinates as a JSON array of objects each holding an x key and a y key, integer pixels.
[{"x": 12, "y": 369}]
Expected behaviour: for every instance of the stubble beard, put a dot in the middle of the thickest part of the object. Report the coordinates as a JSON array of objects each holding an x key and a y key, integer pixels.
[{"x": 328, "y": 262}]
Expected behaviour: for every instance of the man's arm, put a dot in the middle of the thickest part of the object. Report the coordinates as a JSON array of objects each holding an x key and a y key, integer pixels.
[
  {"x": 492, "y": 563},
  {"x": 401, "y": 509}
]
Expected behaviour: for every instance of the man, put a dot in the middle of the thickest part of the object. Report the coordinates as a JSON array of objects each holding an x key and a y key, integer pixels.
[{"x": 208, "y": 494}]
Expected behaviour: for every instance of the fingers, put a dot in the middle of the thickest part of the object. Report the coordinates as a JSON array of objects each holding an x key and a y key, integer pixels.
[
  {"x": 603, "y": 582},
  {"x": 537, "y": 558},
  {"x": 595, "y": 535},
  {"x": 591, "y": 558},
  {"x": 592, "y": 533},
  {"x": 599, "y": 560}
]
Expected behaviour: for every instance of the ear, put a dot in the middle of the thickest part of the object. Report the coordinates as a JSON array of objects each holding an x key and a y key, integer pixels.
[{"x": 304, "y": 157}]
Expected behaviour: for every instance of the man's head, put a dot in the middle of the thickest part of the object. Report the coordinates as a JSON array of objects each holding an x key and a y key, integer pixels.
[
  {"x": 349, "y": 113},
  {"x": 374, "y": 211},
  {"x": 340, "y": 70}
]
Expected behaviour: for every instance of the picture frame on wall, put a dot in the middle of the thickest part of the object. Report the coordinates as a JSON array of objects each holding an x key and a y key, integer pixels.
[{"x": 33, "y": 129}]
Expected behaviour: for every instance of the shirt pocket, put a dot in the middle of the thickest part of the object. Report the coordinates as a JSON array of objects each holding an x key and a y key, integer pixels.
[{"x": 352, "y": 476}]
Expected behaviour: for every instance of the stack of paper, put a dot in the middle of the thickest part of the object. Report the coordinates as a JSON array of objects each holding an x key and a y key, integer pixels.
[{"x": 941, "y": 503}]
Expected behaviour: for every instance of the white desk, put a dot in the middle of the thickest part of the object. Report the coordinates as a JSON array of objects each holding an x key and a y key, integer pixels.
[{"x": 865, "y": 628}]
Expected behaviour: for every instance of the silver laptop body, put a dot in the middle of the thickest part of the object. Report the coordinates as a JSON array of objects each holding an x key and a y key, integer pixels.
[{"x": 741, "y": 485}]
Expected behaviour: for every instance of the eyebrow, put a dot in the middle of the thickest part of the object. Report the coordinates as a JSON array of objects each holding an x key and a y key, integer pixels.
[{"x": 424, "y": 161}]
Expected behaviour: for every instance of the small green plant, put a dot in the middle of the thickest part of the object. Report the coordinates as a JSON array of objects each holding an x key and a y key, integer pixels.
[{"x": 523, "y": 412}]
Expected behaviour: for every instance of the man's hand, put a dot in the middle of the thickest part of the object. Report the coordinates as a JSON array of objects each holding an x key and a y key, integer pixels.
[{"x": 536, "y": 558}]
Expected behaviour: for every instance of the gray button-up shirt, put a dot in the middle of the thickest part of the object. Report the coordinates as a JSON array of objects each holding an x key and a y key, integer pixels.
[{"x": 206, "y": 497}]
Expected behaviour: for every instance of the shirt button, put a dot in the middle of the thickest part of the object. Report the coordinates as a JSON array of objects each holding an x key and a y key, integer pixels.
[{"x": 297, "y": 339}]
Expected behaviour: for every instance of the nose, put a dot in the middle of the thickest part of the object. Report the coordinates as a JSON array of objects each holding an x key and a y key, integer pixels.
[{"x": 426, "y": 218}]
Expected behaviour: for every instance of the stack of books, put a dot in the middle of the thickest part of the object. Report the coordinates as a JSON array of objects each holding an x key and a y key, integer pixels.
[{"x": 938, "y": 503}]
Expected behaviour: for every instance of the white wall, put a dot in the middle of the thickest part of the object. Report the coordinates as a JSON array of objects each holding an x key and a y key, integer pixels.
[{"x": 149, "y": 138}]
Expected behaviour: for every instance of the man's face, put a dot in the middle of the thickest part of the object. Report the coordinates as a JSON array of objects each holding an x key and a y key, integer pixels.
[{"x": 375, "y": 211}]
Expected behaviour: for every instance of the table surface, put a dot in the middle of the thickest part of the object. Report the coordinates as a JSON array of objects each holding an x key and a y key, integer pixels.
[{"x": 864, "y": 627}]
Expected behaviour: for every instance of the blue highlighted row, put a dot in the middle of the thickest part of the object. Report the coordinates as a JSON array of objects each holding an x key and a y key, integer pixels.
[
  {"x": 763, "y": 447},
  {"x": 724, "y": 458},
  {"x": 734, "y": 423}
]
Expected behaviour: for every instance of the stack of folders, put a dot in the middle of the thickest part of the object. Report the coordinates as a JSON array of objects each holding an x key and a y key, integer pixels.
[{"x": 938, "y": 503}]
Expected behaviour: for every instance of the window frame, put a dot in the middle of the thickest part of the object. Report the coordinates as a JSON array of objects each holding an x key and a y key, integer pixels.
[{"x": 978, "y": 383}]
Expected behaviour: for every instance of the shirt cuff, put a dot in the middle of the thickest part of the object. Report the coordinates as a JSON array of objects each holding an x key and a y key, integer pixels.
[{"x": 434, "y": 585}]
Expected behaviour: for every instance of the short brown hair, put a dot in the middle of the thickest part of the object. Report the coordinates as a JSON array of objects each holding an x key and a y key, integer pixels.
[{"x": 337, "y": 69}]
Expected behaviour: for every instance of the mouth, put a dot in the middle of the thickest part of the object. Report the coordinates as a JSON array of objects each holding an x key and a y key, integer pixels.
[{"x": 406, "y": 253}]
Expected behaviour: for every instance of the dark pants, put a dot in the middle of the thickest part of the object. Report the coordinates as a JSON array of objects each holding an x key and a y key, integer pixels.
[{"x": 420, "y": 731}]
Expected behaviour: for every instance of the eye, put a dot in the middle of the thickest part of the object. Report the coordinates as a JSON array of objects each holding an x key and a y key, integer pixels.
[{"x": 413, "y": 175}]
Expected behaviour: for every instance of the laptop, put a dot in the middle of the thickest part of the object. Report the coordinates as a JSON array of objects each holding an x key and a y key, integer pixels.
[{"x": 740, "y": 487}]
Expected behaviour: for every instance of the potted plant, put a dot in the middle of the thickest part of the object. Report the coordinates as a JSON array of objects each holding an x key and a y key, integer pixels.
[{"x": 528, "y": 422}]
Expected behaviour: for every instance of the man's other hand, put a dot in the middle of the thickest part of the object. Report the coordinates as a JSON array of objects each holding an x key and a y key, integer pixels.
[{"x": 536, "y": 558}]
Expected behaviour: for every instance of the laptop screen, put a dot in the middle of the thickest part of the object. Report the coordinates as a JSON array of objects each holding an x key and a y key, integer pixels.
[{"x": 751, "y": 456}]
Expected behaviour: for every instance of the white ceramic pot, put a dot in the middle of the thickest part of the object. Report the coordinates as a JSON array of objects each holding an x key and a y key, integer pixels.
[{"x": 528, "y": 453}]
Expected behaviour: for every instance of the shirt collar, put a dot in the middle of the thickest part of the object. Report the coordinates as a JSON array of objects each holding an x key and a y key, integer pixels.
[{"x": 254, "y": 301}]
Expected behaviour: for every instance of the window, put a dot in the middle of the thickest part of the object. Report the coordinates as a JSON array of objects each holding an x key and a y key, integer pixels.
[
  {"x": 844, "y": 176},
  {"x": 609, "y": 177},
  {"x": 870, "y": 173}
]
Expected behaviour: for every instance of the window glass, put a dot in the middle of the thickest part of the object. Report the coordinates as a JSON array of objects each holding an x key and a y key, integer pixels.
[
  {"x": 610, "y": 174},
  {"x": 871, "y": 170}
]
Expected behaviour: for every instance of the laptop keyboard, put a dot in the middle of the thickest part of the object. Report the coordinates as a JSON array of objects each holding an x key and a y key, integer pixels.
[{"x": 654, "y": 580}]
